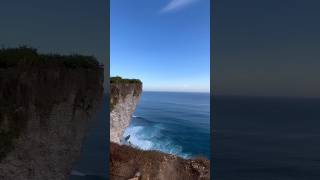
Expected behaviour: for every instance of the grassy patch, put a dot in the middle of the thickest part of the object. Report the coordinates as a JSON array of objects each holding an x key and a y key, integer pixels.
[{"x": 118, "y": 79}]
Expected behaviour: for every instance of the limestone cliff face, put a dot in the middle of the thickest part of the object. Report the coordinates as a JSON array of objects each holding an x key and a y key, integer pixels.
[
  {"x": 45, "y": 109},
  {"x": 125, "y": 95}
]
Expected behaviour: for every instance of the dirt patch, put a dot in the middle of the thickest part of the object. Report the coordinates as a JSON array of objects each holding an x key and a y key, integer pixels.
[{"x": 126, "y": 162}]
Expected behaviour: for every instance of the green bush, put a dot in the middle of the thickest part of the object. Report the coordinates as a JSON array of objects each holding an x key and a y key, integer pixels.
[{"x": 118, "y": 79}]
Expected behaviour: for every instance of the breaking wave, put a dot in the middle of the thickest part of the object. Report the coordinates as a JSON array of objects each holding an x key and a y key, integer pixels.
[{"x": 151, "y": 136}]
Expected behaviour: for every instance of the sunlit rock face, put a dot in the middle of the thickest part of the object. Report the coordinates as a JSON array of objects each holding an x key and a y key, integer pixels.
[
  {"x": 124, "y": 98},
  {"x": 45, "y": 109}
]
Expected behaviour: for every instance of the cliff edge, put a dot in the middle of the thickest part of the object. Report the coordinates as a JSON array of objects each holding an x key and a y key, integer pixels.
[
  {"x": 124, "y": 97},
  {"x": 46, "y": 104},
  {"x": 127, "y": 162}
]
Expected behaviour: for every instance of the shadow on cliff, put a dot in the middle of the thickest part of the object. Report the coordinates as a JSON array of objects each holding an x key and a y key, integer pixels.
[{"x": 46, "y": 104}]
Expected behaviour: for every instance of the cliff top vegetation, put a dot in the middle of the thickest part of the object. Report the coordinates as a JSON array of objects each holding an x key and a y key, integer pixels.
[
  {"x": 118, "y": 79},
  {"x": 23, "y": 55}
]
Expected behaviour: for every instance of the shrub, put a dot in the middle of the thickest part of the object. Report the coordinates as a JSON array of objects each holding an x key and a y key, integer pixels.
[{"x": 118, "y": 79}]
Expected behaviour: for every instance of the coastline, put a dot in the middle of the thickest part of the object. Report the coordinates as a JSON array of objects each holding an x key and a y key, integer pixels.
[{"x": 127, "y": 161}]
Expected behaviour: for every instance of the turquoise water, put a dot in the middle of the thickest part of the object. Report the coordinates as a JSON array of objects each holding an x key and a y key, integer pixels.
[{"x": 175, "y": 123}]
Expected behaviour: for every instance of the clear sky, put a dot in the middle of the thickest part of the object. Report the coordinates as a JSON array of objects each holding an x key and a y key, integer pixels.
[
  {"x": 267, "y": 48},
  {"x": 165, "y": 43},
  {"x": 57, "y": 26}
]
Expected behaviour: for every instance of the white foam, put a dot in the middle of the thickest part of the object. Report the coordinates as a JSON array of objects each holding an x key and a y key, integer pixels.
[
  {"x": 136, "y": 137},
  {"x": 147, "y": 138}
]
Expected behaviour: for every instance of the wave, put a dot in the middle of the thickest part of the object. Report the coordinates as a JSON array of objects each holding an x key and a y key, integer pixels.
[
  {"x": 152, "y": 137},
  {"x": 141, "y": 120}
]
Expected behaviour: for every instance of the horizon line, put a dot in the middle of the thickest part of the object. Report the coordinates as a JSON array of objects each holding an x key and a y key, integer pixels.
[{"x": 176, "y": 91}]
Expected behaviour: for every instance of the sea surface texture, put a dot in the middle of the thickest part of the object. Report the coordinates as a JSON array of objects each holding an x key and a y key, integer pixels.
[
  {"x": 266, "y": 138},
  {"x": 175, "y": 123}
]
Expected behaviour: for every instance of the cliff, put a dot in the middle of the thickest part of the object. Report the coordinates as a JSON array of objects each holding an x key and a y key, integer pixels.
[
  {"x": 124, "y": 97},
  {"x": 46, "y": 104},
  {"x": 130, "y": 163}
]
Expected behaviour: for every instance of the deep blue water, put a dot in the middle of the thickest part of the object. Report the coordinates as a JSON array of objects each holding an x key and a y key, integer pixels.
[
  {"x": 266, "y": 138},
  {"x": 176, "y": 123}
]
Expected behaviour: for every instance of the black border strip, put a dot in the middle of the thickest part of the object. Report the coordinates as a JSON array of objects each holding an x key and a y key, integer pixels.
[
  {"x": 211, "y": 88},
  {"x": 107, "y": 83}
]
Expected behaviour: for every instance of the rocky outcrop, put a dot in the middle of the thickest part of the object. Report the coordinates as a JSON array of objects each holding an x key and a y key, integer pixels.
[
  {"x": 46, "y": 104},
  {"x": 125, "y": 95},
  {"x": 129, "y": 163}
]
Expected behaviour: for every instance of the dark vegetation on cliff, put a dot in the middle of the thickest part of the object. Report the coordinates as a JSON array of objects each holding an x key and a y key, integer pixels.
[
  {"x": 12, "y": 57},
  {"x": 126, "y": 161},
  {"x": 119, "y": 79},
  {"x": 120, "y": 88},
  {"x": 31, "y": 79}
]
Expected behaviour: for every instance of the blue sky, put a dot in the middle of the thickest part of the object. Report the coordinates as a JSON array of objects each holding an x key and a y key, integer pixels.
[
  {"x": 59, "y": 26},
  {"x": 165, "y": 43},
  {"x": 266, "y": 48}
]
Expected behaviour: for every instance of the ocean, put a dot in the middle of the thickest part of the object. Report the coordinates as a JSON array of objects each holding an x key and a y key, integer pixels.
[
  {"x": 266, "y": 138},
  {"x": 172, "y": 122}
]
